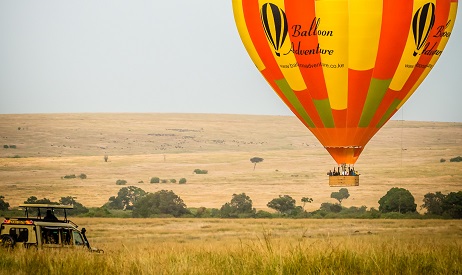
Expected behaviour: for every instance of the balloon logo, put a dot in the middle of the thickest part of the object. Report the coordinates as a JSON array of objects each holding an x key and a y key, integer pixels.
[
  {"x": 422, "y": 23},
  {"x": 275, "y": 25},
  {"x": 344, "y": 67}
]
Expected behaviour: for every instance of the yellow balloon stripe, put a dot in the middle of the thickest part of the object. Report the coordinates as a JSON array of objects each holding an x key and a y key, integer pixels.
[
  {"x": 408, "y": 60},
  {"x": 365, "y": 21},
  {"x": 244, "y": 34},
  {"x": 443, "y": 31},
  {"x": 290, "y": 95},
  {"x": 332, "y": 16}
]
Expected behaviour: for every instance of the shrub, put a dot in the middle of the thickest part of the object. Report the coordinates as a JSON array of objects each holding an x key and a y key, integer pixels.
[
  {"x": 442, "y": 160},
  {"x": 70, "y": 176},
  {"x": 263, "y": 214},
  {"x": 173, "y": 180},
  {"x": 82, "y": 176},
  {"x": 163, "y": 181},
  {"x": 121, "y": 182},
  {"x": 155, "y": 180},
  {"x": 13, "y": 146},
  {"x": 199, "y": 171},
  {"x": 182, "y": 181},
  {"x": 456, "y": 159},
  {"x": 6, "y": 146}
]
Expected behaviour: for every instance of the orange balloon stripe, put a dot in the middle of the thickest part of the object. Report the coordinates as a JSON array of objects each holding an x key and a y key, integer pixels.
[
  {"x": 303, "y": 14},
  {"x": 393, "y": 37},
  {"x": 358, "y": 86}
]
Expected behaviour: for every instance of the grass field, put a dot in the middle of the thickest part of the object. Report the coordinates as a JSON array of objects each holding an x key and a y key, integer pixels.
[
  {"x": 170, "y": 146},
  {"x": 248, "y": 246}
]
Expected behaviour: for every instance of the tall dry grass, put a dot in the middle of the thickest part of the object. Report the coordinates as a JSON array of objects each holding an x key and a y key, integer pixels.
[{"x": 212, "y": 246}]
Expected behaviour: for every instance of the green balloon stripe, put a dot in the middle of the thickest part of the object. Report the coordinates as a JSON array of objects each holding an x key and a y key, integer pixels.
[
  {"x": 325, "y": 112},
  {"x": 375, "y": 94},
  {"x": 290, "y": 95}
]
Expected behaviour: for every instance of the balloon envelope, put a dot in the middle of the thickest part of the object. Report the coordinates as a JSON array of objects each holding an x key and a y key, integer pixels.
[{"x": 344, "y": 67}]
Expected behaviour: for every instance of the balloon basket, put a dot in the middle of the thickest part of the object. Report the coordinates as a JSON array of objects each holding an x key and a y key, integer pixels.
[{"x": 342, "y": 181}]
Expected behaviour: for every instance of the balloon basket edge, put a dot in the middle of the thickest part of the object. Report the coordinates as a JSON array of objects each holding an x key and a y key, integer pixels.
[{"x": 343, "y": 181}]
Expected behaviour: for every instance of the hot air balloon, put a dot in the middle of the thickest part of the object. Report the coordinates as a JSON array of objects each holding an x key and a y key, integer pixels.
[{"x": 344, "y": 67}]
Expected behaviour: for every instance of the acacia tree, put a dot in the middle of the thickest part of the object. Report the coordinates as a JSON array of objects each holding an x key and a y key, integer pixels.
[
  {"x": 433, "y": 203},
  {"x": 284, "y": 204},
  {"x": 3, "y": 204},
  {"x": 397, "y": 200},
  {"x": 306, "y": 200},
  {"x": 341, "y": 195},
  {"x": 255, "y": 160},
  {"x": 240, "y": 204},
  {"x": 160, "y": 202},
  {"x": 126, "y": 198}
]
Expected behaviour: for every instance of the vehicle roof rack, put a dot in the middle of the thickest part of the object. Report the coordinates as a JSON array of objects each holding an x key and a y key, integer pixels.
[{"x": 51, "y": 207}]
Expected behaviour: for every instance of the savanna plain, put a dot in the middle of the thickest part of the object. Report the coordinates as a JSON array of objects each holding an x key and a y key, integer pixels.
[{"x": 47, "y": 147}]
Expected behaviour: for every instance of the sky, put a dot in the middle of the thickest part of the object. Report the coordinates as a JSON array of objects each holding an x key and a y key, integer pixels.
[{"x": 175, "y": 56}]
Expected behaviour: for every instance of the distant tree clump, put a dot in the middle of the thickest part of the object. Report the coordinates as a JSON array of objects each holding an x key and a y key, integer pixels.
[
  {"x": 255, "y": 160},
  {"x": 78, "y": 207},
  {"x": 341, "y": 195},
  {"x": 240, "y": 206},
  {"x": 449, "y": 205},
  {"x": 397, "y": 200},
  {"x": 161, "y": 202},
  {"x": 155, "y": 180},
  {"x": 35, "y": 200},
  {"x": 452, "y": 205},
  {"x": 284, "y": 204},
  {"x": 182, "y": 181},
  {"x": 3, "y": 204}
]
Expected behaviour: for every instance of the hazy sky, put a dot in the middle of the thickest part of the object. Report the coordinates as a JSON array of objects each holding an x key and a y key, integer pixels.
[{"x": 159, "y": 56}]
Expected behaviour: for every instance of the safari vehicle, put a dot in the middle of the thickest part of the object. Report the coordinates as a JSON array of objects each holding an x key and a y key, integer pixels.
[{"x": 42, "y": 232}]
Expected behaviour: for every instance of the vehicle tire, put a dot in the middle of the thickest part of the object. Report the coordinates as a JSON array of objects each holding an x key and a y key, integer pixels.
[{"x": 8, "y": 242}]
